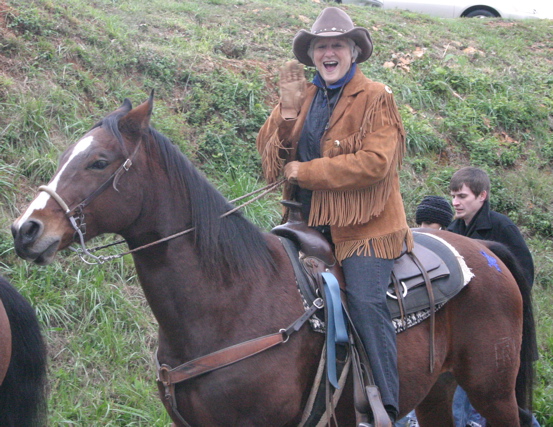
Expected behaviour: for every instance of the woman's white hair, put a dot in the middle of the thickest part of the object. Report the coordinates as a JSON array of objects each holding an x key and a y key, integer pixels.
[{"x": 354, "y": 48}]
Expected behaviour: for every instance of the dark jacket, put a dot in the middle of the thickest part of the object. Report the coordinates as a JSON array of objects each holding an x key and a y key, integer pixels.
[{"x": 490, "y": 225}]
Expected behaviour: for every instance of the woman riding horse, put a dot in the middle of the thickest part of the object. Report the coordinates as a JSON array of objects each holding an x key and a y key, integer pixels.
[{"x": 342, "y": 141}]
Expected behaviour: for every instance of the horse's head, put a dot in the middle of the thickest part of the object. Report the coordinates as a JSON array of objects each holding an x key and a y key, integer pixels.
[{"x": 93, "y": 191}]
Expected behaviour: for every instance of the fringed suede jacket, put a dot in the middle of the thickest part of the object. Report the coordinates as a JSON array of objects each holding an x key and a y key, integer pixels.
[{"x": 355, "y": 184}]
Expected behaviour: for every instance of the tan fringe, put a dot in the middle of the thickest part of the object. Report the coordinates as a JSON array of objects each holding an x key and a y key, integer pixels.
[
  {"x": 409, "y": 240},
  {"x": 351, "y": 207},
  {"x": 388, "y": 246},
  {"x": 392, "y": 117},
  {"x": 271, "y": 161},
  {"x": 351, "y": 144}
]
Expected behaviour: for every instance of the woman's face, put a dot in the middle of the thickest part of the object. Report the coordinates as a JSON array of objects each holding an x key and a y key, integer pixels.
[{"x": 332, "y": 57}]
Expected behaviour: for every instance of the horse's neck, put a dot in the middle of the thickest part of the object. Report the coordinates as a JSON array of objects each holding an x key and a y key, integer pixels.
[
  {"x": 165, "y": 270},
  {"x": 196, "y": 313},
  {"x": 191, "y": 309}
]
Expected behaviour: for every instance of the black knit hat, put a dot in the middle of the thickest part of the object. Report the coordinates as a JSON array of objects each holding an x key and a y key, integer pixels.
[{"x": 434, "y": 209}]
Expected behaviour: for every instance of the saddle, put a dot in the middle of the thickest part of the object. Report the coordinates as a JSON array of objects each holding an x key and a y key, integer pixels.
[
  {"x": 311, "y": 255},
  {"x": 408, "y": 299}
]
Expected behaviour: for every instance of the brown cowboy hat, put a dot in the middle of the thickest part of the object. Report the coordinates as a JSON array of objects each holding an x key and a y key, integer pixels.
[{"x": 332, "y": 22}]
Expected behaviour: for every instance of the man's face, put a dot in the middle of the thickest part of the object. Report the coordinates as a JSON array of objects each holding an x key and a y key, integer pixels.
[
  {"x": 332, "y": 57},
  {"x": 466, "y": 203}
]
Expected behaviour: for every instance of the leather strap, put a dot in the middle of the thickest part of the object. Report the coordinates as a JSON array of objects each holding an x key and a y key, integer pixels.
[
  {"x": 399, "y": 296},
  {"x": 432, "y": 308},
  {"x": 169, "y": 377},
  {"x": 219, "y": 359},
  {"x": 366, "y": 396}
]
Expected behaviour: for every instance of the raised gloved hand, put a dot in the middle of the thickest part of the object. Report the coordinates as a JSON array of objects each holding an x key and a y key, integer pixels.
[{"x": 292, "y": 89}]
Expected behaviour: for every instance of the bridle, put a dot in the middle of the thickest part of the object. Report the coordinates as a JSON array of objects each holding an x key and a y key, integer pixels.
[{"x": 76, "y": 215}]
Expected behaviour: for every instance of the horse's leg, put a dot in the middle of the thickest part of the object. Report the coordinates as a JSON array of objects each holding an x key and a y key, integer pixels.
[
  {"x": 491, "y": 364},
  {"x": 486, "y": 360},
  {"x": 436, "y": 408},
  {"x": 499, "y": 408},
  {"x": 487, "y": 373},
  {"x": 416, "y": 380}
]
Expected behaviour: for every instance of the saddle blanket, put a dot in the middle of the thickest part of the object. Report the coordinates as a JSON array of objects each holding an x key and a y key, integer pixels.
[{"x": 416, "y": 301}]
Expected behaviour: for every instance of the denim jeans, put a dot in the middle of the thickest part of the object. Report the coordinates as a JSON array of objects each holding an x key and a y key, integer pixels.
[
  {"x": 407, "y": 420},
  {"x": 465, "y": 414},
  {"x": 367, "y": 279}
]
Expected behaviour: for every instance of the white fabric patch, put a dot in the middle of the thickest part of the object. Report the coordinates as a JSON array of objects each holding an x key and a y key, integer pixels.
[{"x": 467, "y": 273}]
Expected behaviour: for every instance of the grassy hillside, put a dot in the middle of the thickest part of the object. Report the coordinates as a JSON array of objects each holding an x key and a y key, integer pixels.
[{"x": 475, "y": 92}]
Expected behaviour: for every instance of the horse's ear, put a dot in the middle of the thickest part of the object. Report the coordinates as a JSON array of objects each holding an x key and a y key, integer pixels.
[
  {"x": 125, "y": 107},
  {"x": 137, "y": 119}
]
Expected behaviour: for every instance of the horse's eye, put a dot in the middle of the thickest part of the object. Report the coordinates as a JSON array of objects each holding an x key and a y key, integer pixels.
[{"x": 99, "y": 165}]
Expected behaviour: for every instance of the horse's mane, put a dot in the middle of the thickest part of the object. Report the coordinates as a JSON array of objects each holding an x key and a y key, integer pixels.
[{"x": 225, "y": 245}]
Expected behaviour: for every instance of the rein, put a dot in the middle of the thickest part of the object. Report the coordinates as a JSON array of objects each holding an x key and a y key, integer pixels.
[{"x": 75, "y": 215}]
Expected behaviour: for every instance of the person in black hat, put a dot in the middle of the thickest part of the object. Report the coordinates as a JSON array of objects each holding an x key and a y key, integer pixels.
[{"x": 434, "y": 212}]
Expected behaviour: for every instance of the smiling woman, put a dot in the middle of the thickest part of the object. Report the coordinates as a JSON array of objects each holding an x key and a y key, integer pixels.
[{"x": 339, "y": 142}]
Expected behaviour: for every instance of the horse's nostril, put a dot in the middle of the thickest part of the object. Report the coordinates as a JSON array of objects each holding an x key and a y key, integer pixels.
[{"x": 29, "y": 230}]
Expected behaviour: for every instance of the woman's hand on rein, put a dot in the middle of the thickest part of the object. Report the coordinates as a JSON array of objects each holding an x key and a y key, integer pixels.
[{"x": 291, "y": 171}]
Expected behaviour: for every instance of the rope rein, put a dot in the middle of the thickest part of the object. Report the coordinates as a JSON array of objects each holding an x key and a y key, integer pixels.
[{"x": 82, "y": 251}]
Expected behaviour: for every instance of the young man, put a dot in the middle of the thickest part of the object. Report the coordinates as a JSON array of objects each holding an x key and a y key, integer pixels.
[{"x": 470, "y": 192}]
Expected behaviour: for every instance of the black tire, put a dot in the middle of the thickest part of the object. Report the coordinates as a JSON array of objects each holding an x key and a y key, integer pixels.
[{"x": 482, "y": 13}]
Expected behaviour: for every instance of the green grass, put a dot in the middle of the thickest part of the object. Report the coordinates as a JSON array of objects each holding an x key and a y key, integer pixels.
[{"x": 479, "y": 94}]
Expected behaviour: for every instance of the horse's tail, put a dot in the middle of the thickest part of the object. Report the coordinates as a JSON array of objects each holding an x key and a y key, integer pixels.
[
  {"x": 23, "y": 391},
  {"x": 528, "y": 351}
]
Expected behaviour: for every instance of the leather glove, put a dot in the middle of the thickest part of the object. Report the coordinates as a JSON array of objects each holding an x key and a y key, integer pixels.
[
  {"x": 291, "y": 171},
  {"x": 292, "y": 89}
]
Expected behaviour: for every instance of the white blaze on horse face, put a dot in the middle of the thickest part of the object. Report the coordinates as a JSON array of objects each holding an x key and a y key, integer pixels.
[{"x": 40, "y": 201}]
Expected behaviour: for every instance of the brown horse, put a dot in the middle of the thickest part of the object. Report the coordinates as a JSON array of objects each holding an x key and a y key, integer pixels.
[
  {"x": 22, "y": 362},
  {"x": 226, "y": 283}
]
